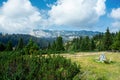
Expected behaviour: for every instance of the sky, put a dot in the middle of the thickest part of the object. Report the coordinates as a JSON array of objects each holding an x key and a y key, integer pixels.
[{"x": 22, "y": 16}]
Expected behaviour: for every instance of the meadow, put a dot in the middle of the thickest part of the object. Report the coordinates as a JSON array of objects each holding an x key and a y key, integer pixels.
[
  {"x": 93, "y": 69},
  {"x": 14, "y": 65}
]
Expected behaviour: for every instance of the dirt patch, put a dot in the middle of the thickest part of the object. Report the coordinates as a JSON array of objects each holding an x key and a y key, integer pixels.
[{"x": 81, "y": 54}]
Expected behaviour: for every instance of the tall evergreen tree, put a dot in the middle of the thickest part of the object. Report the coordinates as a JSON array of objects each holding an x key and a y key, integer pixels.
[
  {"x": 9, "y": 46},
  {"x": 85, "y": 44},
  {"x": 116, "y": 43},
  {"x": 31, "y": 47},
  {"x": 75, "y": 44},
  {"x": 107, "y": 40},
  {"x": 99, "y": 39},
  {"x": 100, "y": 45},
  {"x": 2, "y": 47},
  {"x": 20, "y": 44},
  {"x": 59, "y": 44},
  {"x": 49, "y": 46},
  {"x": 82, "y": 45},
  {"x": 92, "y": 45},
  {"x": 53, "y": 47}
]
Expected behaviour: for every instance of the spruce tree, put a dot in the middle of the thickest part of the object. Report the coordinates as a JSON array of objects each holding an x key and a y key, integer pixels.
[
  {"x": 49, "y": 46},
  {"x": 107, "y": 40},
  {"x": 85, "y": 45},
  {"x": 2, "y": 47},
  {"x": 92, "y": 45},
  {"x": 53, "y": 47},
  {"x": 76, "y": 43},
  {"x": 59, "y": 44},
  {"x": 20, "y": 44},
  {"x": 31, "y": 47},
  {"x": 9, "y": 46},
  {"x": 116, "y": 43}
]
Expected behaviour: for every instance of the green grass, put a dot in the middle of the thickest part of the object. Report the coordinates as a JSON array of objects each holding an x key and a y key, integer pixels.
[{"x": 93, "y": 70}]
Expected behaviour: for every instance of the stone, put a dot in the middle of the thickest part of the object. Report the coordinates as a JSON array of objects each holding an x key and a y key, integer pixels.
[{"x": 102, "y": 57}]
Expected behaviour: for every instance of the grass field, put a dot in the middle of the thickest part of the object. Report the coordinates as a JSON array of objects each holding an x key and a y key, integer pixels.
[{"x": 94, "y": 70}]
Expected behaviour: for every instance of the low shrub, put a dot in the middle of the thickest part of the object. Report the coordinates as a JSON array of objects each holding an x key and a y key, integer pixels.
[{"x": 14, "y": 66}]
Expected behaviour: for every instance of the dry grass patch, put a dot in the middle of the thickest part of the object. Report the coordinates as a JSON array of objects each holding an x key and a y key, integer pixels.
[{"x": 95, "y": 70}]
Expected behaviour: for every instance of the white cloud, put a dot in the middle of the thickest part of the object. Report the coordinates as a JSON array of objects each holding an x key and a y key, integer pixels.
[
  {"x": 17, "y": 16},
  {"x": 115, "y": 26},
  {"x": 81, "y": 13},
  {"x": 115, "y": 14}
]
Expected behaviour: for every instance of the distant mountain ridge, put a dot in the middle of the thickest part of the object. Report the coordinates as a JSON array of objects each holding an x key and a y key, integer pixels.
[
  {"x": 14, "y": 38},
  {"x": 65, "y": 34},
  {"x": 44, "y": 37}
]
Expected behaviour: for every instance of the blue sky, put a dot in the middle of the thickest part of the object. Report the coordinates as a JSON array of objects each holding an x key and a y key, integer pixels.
[
  {"x": 42, "y": 3},
  {"x": 112, "y": 4},
  {"x": 22, "y": 16}
]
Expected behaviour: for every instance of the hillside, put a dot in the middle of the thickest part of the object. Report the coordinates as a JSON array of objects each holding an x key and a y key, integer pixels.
[
  {"x": 44, "y": 37},
  {"x": 42, "y": 42}
]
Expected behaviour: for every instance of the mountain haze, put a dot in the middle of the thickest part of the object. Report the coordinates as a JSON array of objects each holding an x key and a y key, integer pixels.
[{"x": 65, "y": 34}]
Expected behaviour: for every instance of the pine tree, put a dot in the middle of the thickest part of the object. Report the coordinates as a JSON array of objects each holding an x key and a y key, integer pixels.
[
  {"x": 53, "y": 47},
  {"x": 9, "y": 46},
  {"x": 35, "y": 46},
  {"x": 31, "y": 47},
  {"x": 99, "y": 39},
  {"x": 2, "y": 47},
  {"x": 75, "y": 46},
  {"x": 20, "y": 44},
  {"x": 100, "y": 45},
  {"x": 49, "y": 46},
  {"x": 85, "y": 44},
  {"x": 116, "y": 43},
  {"x": 107, "y": 40},
  {"x": 59, "y": 44},
  {"x": 92, "y": 45}
]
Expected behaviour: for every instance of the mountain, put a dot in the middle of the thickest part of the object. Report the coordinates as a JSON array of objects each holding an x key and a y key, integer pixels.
[
  {"x": 44, "y": 37},
  {"x": 42, "y": 42},
  {"x": 67, "y": 35}
]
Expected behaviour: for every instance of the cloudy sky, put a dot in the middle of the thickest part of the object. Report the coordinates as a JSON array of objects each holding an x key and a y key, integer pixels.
[{"x": 22, "y": 16}]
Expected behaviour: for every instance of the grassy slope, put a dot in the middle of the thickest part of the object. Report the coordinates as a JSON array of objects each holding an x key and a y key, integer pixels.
[{"x": 95, "y": 70}]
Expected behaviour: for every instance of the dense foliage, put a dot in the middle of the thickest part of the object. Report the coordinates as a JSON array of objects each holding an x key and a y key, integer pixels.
[
  {"x": 20, "y": 44},
  {"x": 31, "y": 47},
  {"x": 28, "y": 61},
  {"x": 57, "y": 45},
  {"x": 116, "y": 42},
  {"x": 102, "y": 42},
  {"x": 14, "y": 66},
  {"x": 14, "y": 38}
]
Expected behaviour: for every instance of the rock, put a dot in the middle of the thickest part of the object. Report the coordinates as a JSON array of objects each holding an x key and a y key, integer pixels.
[{"x": 102, "y": 57}]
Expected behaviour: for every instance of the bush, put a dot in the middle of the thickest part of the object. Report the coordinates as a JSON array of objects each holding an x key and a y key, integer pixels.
[{"x": 15, "y": 66}]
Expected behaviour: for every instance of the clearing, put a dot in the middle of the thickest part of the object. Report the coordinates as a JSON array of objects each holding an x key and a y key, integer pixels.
[{"x": 94, "y": 70}]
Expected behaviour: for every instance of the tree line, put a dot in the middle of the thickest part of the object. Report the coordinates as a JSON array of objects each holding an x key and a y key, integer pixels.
[
  {"x": 101, "y": 42},
  {"x": 24, "y": 63},
  {"x": 14, "y": 38}
]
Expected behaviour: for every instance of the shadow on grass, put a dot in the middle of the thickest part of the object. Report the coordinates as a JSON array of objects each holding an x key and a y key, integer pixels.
[{"x": 104, "y": 62}]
